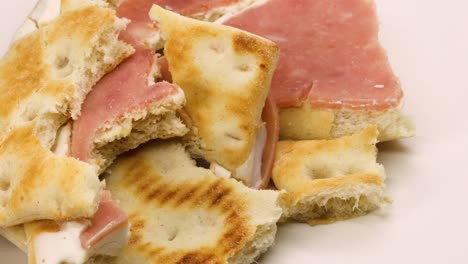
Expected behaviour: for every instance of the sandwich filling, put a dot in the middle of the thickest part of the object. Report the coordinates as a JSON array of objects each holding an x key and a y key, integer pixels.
[
  {"x": 256, "y": 171},
  {"x": 330, "y": 53},
  {"x": 129, "y": 88},
  {"x": 75, "y": 242}
]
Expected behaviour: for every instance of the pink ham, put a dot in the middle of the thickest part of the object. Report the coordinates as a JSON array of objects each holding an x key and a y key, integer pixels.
[
  {"x": 330, "y": 53},
  {"x": 123, "y": 90},
  {"x": 108, "y": 218},
  {"x": 137, "y": 10}
]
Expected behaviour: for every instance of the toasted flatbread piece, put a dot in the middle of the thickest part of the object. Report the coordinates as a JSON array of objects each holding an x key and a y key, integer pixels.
[
  {"x": 226, "y": 75},
  {"x": 36, "y": 184},
  {"x": 44, "y": 78},
  {"x": 181, "y": 213},
  {"x": 46, "y": 75},
  {"x": 329, "y": 180}
]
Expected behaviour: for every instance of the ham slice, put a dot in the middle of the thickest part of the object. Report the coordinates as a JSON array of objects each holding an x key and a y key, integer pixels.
[
  {"x": 330, "y": 53},
  {"x": 125, "y": 89},
  {"x": 121, "y": 91},
  {"x": 108, "y": 218}
]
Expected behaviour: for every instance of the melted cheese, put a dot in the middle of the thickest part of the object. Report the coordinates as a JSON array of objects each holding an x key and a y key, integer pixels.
[
  {"x": 220, "y": 171},
  {"x": 251, "y": 171},
  {"x": 62, "y": 246},
  {"x": 65, "y": 246}
]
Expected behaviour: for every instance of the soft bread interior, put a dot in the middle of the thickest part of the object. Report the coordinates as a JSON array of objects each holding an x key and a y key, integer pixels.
[
  {"x": 160, "y": 120},
  {"x": 181, "y": 213},
  {"x": 305, "y": 123},
  {"x": 329, "y": 180},
  {"x": 225, "y": 74}
]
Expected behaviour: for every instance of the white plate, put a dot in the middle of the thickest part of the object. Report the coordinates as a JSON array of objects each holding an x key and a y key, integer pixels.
[{"x": 427, "y": 42}]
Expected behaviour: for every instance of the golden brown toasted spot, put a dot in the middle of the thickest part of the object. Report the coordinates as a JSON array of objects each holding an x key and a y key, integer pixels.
[
  {"x": 137, "y": 226},
  {"x": 34, "y": 169},
  {"x": 185, "y": 195},
  {"x": 197, "y": 258},
  {"x": 22, "y": 73},
  {"x": 85, "y": 20}
]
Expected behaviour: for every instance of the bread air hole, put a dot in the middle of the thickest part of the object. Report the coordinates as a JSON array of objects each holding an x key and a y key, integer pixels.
[
  {"x": 322, "y": 172},
  {"x": 325, "y": 171},
  {"x": 172, "y": 234},
  {"x": 4, "y": 185},
  {"x": 62, "y": 62},
  {"x": 243, "y": 67},
  {"x": 63, "y": 67},
  {"x": 217, "y": 48}
]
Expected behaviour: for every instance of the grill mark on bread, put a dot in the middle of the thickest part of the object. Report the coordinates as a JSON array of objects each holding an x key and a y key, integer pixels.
[
  {"x": 140, "y": 177},
  {"x": 184, "y": 195}
]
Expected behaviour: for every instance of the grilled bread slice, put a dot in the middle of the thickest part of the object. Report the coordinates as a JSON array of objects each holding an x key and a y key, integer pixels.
[
  {"x": 181, "y": 213},
  {"x": 329, "y": 180},
  {"x": 225, "y": 74}
]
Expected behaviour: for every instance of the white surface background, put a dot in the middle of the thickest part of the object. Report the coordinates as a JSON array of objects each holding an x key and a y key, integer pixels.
[{"x": 427, "y": 42}]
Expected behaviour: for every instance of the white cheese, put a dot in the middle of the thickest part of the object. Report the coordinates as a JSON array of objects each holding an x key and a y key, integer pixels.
[
  {"x": 62, "y": 246},
  {"x": 251, "y": 171},
  {"x": 65, "y": 246},
  {"x": 220, "y": 171}
]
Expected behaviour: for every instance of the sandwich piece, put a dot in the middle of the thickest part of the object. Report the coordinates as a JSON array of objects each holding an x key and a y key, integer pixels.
[
  {"x": 225, "y": 74},
  {"x": 129, "y": 106},
  {"x": 333, "y": 77},
  {"x": 44, "y": 78},
  {"x": 181, "y": 213},
  {"x": 330, "y": 180},
  {"x": 50, "y": 242}
]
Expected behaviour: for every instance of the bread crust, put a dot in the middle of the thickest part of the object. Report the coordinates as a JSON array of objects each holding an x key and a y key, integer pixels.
[
  {"x": 328, "y": 180},
  {"x": 306, "y": 123}
]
